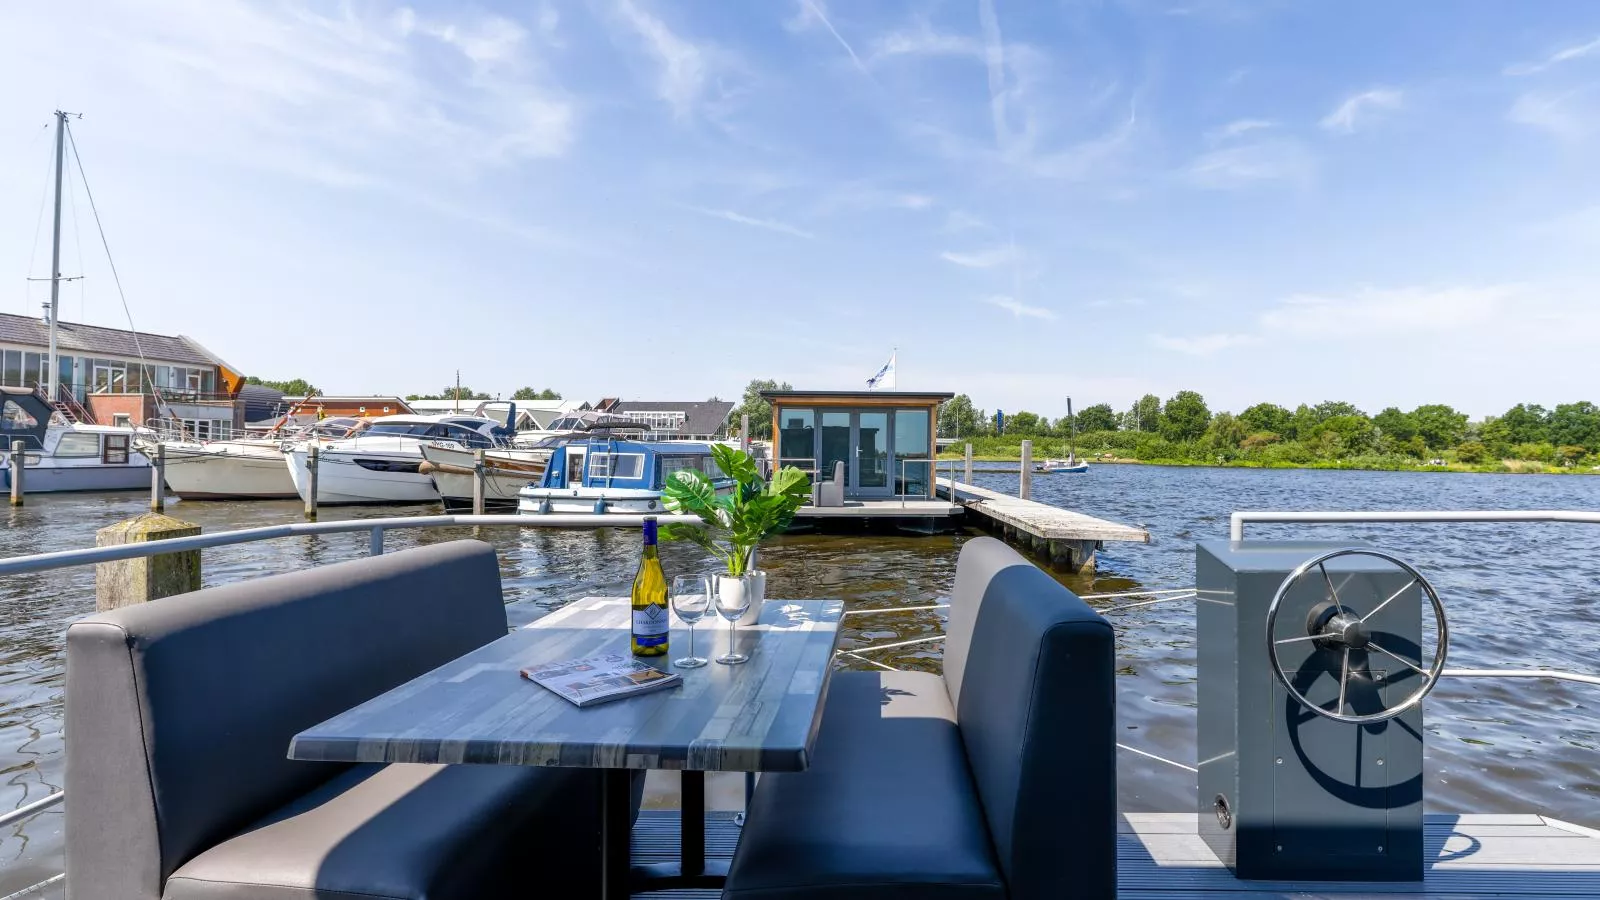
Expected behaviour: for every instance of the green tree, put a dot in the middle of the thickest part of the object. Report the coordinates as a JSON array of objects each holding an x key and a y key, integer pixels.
[
  {"x": 1353, "y": 434},
  {"x": 296, "y": 387},
  {"x": 1327, "y": 409},
  {"x": 1025, "y": 423},
  {"x": 758, "y": 408},
  {"x": 528, "y": 393},
  {"x": 1226, "y": 431},
  {"x": 1526, "y": 423},
  {"x": 958, "y": 418},
  {"x": 1185, "y": 417},
  {"x": 1472, "y": 452},
  {"x": 1440, "y": 425},
  {"x": 1099, "y": 417},
  {"x": 1265, "y": 417},
  {"x": 1396, "y": 426},
  {"x": 1575, "y": 425},
  {"x": 1144, "y": 416}
]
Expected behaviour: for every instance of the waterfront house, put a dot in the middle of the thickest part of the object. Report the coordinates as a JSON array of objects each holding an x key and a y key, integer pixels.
[
  {"x": 104, "y": 381},
  {"x": 670, "y": 420},
  {"x": 885, "y": 439}
]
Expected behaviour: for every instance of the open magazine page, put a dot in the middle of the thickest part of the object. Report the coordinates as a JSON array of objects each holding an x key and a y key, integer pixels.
[{"x": 596, "y": 679}]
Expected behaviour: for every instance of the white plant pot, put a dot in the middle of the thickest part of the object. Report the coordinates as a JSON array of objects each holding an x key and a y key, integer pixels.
[{"x": 747, "y": 586}]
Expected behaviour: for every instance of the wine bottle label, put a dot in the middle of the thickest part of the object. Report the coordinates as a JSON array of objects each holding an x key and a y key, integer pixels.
[{"x": 650, "y": 625}]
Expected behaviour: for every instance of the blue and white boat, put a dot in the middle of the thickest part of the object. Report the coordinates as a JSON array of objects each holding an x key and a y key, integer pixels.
[{"x": 615, "y": 475}]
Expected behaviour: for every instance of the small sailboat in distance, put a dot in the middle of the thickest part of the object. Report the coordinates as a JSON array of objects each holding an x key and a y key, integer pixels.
[{"x": 1071, "y": 465}]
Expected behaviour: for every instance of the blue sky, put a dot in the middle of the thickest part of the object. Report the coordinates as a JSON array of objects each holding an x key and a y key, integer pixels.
[{"x": 1369, "y": 201}]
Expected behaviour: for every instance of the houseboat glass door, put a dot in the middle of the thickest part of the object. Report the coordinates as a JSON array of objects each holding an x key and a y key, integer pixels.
[
  {"x": 836, "y": 444},
  {"x": 874, "y": 458}
]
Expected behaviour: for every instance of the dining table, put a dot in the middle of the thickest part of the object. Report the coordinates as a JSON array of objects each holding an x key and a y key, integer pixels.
[{"x": 758, "y": 716}]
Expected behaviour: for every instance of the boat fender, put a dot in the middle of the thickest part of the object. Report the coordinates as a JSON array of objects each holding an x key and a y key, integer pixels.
[
  {"x": 544, "y": 506},
  {"x": 600, "y": 506}
]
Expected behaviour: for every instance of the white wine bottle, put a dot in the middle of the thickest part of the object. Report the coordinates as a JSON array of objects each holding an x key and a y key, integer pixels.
[{"x": 650, "y": 618}]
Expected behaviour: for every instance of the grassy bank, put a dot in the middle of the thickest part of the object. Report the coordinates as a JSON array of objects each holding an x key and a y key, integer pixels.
[{"x": 1278, "y": 456}]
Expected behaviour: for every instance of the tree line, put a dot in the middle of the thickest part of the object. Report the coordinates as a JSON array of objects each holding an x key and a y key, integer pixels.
[{"x": 1185, "y": 429}]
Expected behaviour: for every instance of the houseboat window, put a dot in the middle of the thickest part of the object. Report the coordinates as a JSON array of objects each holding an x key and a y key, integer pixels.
[
  {"x": 911, "y": 445},
  {"x": 616, "y": 465},
  {"x": 671, "y": 465},
  {"x": 15, "y": 418},
  {"x": 796, "y": 437},
  {"x": 116, "y": 450},
  {"x": 78, "y": 443},
  {"x": 11, "y": 374}
]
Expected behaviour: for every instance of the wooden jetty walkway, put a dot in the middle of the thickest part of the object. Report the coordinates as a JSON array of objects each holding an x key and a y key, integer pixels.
[{"x": 1066, "y": 538}]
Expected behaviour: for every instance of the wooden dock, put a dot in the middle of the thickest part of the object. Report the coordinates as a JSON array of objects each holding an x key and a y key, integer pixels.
[{"x": 1066, "y": 538}]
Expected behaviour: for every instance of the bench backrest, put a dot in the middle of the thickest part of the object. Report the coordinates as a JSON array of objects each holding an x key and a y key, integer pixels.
[
  {"x": 179, "y": 712},
  {"x": 1029, "y": 668}
]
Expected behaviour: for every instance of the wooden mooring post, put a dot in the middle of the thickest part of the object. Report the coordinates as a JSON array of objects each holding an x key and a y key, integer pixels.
[
  {"x": 18, "y": 464},
  {"x": 158, "y": 479},
  {"x": 744, "y": 432},
  {"x": 1025, "y": 484},
  {"x": 129, "y": 581},
  {"x": 311, "y": 482},
  {"x": 478, "y": 475}
]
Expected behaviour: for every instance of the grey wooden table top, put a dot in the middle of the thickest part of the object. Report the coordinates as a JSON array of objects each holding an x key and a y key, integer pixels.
[{"x": 761, "y": 716}]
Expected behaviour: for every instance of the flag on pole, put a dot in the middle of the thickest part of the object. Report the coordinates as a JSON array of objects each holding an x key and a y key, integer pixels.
[{"x": 885, "y": 376}]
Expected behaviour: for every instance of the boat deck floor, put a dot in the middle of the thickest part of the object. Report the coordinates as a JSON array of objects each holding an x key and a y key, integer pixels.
[{"x": 1160, "y": 855}]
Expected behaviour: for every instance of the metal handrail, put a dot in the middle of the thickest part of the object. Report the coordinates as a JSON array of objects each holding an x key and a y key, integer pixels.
[{"x": 1237, "y": 521}]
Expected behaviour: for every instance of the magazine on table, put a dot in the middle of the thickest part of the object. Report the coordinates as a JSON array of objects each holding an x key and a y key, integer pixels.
[{"x": 597, "y": 679}]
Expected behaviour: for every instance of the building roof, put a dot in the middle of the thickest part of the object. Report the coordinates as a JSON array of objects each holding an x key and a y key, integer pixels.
[
  {"x": 922, "y": 396},
  {"x": 94, "y": 339},
  {"x": 700, "y": 416}
]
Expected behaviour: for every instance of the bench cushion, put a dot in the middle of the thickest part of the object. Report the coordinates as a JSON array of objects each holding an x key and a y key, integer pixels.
[
  {"x": 409, "y": 832},
  {"x": 181, "y": 710},
  {"x": 886, "y": 810}
]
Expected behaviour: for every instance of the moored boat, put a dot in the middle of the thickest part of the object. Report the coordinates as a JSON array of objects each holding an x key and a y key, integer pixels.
[
  {"x": 383, "y": 462},
  {"x": 506, "y": 471},
  {"x": 240, "y": 469},
  {"x": 613, "y": 475},
  {"x": 63, "y": 456}
]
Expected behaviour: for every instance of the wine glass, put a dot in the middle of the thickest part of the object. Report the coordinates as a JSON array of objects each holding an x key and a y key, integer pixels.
[
  {"x": 691, "y": 597},
  {"x": 733, "y": 598}
]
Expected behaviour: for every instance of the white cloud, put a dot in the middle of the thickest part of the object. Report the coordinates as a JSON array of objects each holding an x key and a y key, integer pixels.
[
  {"x": 1238, "y": 127},
  {"x": 1247, "y": 165},
  {"x": 1369, "y": 312},
  {"x": 768, "y": 224},
  {"x": 1578, "y": 51},
  {"x": 1108, "y": 303},
  {"x": 982, "y": 259},
  {"x": 1201, "y": 344},
  {"x": 684, "y": 66},
  {"x": 1348, "y": 115},
  {"x": 922, "y": 40},
  {"x": 812, "y": 11},
  {"x": 913, "y": 201},
  {"x": 1569, "y": 115},
  {"x": 958, "y": 220},
  {"x": 1019, "y": 309}
]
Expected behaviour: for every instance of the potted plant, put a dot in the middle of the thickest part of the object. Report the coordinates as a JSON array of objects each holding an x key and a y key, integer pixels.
[{"x": 738, "y": 521}]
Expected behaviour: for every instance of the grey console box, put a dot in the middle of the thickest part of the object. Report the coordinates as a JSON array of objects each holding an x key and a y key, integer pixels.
[{"x": 1284, "y": 793}]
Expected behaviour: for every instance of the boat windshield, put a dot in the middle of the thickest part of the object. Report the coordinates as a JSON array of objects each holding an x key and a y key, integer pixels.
[{"x": 412, "y": 429}]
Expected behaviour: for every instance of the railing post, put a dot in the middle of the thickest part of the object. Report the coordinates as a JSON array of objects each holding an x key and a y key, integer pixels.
[
  {"x": 966, "y": 475},
  {"x": 375, "y": 548},
  {"x": 477, "y": 482},
  {"x": 158, "y": 478},
  {"x": 1025, "y": 483},
  {"x": 311, "y": 482},
  {"x": 18, "y": 463}
]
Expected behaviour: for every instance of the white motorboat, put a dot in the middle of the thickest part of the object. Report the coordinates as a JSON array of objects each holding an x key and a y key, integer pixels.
[
  {"x": 383, "y": 462},
  {"x": 240, "y": 469},
  {"x": 61, "y": 455},
  {"x": 506, "y": 471}
]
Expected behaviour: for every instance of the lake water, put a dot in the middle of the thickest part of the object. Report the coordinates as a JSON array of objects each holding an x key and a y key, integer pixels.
[{"x": 1517, "y": 596}]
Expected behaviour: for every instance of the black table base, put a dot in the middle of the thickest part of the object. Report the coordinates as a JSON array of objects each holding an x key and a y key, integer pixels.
[{"x": 621, "y": 879}]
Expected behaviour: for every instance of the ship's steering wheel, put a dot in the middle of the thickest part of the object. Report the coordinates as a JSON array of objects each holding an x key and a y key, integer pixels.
[{"x": 1342, "y": 629}]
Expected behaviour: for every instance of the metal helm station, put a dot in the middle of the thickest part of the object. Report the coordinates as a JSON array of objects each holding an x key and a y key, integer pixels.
[{"x": 1312, "y": 665}]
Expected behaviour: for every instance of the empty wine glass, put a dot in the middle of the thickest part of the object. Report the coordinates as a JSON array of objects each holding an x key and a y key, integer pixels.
[
  {"x": 691, "y": 597},
  {"x": 733, "y": 598}
]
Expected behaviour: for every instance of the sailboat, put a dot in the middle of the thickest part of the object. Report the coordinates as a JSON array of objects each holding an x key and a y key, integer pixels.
[
  {"x": 1071, "y": 465},
  {"x": 61, "y": 452}
]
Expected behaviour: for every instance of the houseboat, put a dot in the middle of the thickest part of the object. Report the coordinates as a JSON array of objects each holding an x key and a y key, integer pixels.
[
  {"x": 615, "y": 475},
  {"x": 62, "y": 455},
  {"x": 383, "y": 462}
]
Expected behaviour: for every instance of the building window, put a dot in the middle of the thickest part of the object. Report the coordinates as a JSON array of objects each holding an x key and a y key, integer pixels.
[
  {"x": 116, "y": 450},
  {"x": 11, "y": 373},
  {"x": 32, "y": 370},
  {"x": 122, "y": 420},
  {"x": 78, "y": 443}
]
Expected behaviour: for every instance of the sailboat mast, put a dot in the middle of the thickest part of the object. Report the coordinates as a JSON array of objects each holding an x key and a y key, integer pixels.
[
  {"x": 55, "y": 262},
  {"x": 1072, "y": 433}
]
